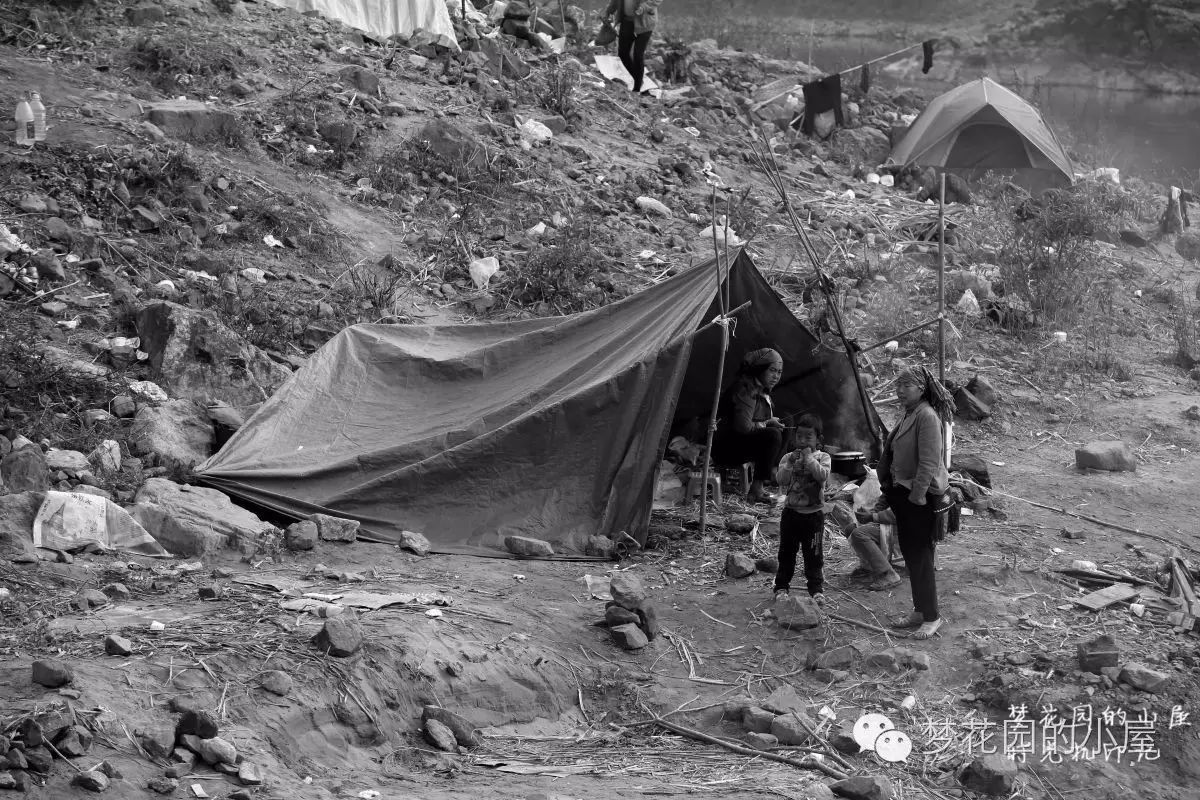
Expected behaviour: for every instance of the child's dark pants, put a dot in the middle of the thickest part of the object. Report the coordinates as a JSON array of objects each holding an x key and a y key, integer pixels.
[
  {"x": 632, "y": 50},
  {"x": 804, "y": 533}
]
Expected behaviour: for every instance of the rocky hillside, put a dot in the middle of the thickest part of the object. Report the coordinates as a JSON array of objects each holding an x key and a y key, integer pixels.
[{"x": 225, "y": 185}]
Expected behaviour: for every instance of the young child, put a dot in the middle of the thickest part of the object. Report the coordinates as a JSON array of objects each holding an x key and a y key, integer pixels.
[{"x": 802, "y": 526}]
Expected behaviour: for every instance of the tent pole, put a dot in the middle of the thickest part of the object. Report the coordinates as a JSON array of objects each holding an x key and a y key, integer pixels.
[
  {"x": 941, "y": 317},
  {"x": 712, "y": 425},
  {"x": 724, "y": 323}
]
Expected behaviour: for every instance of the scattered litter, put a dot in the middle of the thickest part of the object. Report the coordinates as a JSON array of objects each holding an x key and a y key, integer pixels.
[
  {"x": 482, "y": 270},
  {"x": 695, "y": 132},
  {"x": 598, "y": 587},
  {"x": 654, "y": 206},
  {"x": 518, "y": 577},
  {"x": 433, "y": 612},
  {"x": 1060, "y": 337},
  {"x": 198, "y": 790},
  {"x": 255, "y": 274},
  {"x": 887, "y": 180},
  {"x": 157, "y": 626},
  {"x": 968, "y": 304},
  {"x": 369, "y": 794},
  {"x": 872, "y": 177},
  {"x": 533, "y": 132},
  {"x": 271, "y": 241},
  {"x": 166, "y": 285}
]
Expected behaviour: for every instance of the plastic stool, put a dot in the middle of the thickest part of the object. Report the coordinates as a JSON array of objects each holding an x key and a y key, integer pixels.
[
  {"x": 738, "y": 476},
  {"x": 714, "y": 486}
]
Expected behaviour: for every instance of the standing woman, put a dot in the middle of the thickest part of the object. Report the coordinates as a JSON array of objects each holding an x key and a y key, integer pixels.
[
  {"x": 635, "y": 22},
  {"x": 912, "y": 472}
]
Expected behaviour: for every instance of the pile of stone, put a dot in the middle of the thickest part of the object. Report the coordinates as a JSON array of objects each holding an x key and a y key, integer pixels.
[
  {"x": 629, "y": 616},
  {"x": 447, "y": 731},
  {"x": 31, "y": 747},
  {"x": 193, "y": 740}
]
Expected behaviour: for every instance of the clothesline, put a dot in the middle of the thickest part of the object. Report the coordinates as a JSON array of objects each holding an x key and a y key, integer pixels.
[{"x": 773, "y": 98}]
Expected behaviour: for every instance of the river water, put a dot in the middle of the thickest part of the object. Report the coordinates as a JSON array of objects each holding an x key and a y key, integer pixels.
[{"x": 1155, "y": 137}]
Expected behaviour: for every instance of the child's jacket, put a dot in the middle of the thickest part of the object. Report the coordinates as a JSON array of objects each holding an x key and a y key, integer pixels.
[{"x": 804, "y": 480}]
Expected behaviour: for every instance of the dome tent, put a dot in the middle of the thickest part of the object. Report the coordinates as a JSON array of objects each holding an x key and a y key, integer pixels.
[{"x": 983, "y": 127}]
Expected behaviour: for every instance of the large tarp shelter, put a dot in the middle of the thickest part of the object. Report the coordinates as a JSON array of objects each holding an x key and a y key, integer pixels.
[
  {"x": 384, "y": 18},
  {"x": 980, "y": 127},
  {"x": 551, "y": 428}
]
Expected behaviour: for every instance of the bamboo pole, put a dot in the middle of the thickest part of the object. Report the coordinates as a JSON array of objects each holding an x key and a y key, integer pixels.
[
  {"x": 691, "y": 733},
  {"x": 941, "y": 317}
]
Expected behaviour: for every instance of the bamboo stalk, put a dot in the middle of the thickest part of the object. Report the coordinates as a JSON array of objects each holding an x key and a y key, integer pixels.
[{"x": 690, "y": 733}]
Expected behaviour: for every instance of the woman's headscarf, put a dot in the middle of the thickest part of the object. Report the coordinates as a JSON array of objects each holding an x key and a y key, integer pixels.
[
  {"x": 756, "y": 362},
  {"x": 932, "y": 390}
]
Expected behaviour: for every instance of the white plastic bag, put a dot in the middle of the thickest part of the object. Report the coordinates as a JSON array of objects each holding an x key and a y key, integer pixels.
[
  {"x": 533, "y": 132},
  {"x": 649, "y": 204},
  {"x": 482, "y": 270},
  {"x": 968, "y": 304},
  {"x": 70, "y": 521},
  {"x": 868, "y": 492}
]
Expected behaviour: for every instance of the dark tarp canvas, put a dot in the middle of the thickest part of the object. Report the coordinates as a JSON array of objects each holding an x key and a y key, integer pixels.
[{"x": 551, "y": 428}]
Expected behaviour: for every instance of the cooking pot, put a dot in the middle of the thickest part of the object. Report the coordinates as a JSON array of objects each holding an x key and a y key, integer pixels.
[{"x": 851, "y": 463}]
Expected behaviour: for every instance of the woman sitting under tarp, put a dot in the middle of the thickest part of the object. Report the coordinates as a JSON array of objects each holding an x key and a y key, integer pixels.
[{"x": 747, "y": 428}]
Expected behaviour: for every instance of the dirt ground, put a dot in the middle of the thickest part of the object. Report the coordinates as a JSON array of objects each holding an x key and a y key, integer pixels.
[{"x": 514, "y": 646}]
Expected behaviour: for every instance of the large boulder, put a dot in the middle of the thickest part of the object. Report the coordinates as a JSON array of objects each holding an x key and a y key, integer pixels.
[
  {"x": 197, "y": 357},
  {"x": 193, "y": 520},
  {"x": 177, "y": 435},
  {"x": 24, "y": 470},
  {"x": 194, "y": 121},
  {"x": 1188, "y": 245},
  {"x": 17, "y": 512},
  {"x": 454, "y": 146},
  {"x": 866, "y": 145},
  {"x": 1109, "y": 456}
]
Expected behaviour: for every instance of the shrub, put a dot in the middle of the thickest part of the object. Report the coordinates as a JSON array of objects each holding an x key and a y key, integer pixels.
[
  {"x": 1046, "y": 249},
  {"x": 43, "y": 398},
  {"x": 566, "y": 273}
]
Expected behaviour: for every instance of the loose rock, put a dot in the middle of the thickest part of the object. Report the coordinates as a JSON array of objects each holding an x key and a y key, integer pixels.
[
  {"x": 739, "y": 565},
  {"x": 1142, "y": 677},
  {"x": 463, "y": 731},
  {"x": 440, "y": 736},
  {"x": 92, "y": 780},
  {"x": 757, "y": 720},
  {"x": 1109, "y": 456},
  {"x": 301, "y": 536},
  {"x": 627, "y": 590},
  {"x": 615, "y": 615},
  {"x": 797, "y": 612},
  {"x": 528, "y": 547},
  {"x": 198, "y": 723},
  {"x": 761, "y": 741},
  {"x": 340, "y": 637},
  {"x": 249, "y": 774},
  {"x": 24, "y": 470},
  {"x": 336, "y": 529},
  {"x": 214, "y": 751},
  {"x": 629, "y": 637},
  {"x": 1097, "y": 653},
  {"x": 157, "y": 742},
  {"x": 117, "y": 646},
  {"x": 51, "y": 674},
  {"x": 791, "y": 728},
  {"x": 837, "y": 658},
  {"x": 277, "y": 682},
  {"x": 865, "y": 787},
  {"x": 414, "y": 543},
  {"x": 993, "y": 774},
  {"x": 740, "y": 523}
]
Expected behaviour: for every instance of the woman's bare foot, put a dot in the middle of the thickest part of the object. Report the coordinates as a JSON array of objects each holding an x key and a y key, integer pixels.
[
  {"x": 928, "y": 629},
  {"x": 911, "y": 620}
]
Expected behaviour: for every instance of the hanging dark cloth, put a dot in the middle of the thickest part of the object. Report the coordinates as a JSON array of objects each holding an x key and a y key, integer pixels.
[
  {"x": 864, "y": 80},
  {"x": 927, "y": 49},
  {"x": 819, "y": 97}
]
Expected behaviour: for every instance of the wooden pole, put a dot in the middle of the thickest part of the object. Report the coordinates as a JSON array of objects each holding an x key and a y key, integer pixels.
[
  {"x": 942, "y": 277},
  {"x": 712, "y": 423}
]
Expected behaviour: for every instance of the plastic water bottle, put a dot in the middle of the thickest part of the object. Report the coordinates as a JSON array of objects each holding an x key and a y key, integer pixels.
[
  {"x": 25, "y": 127},
  {"x": 39, "y": 116}
]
